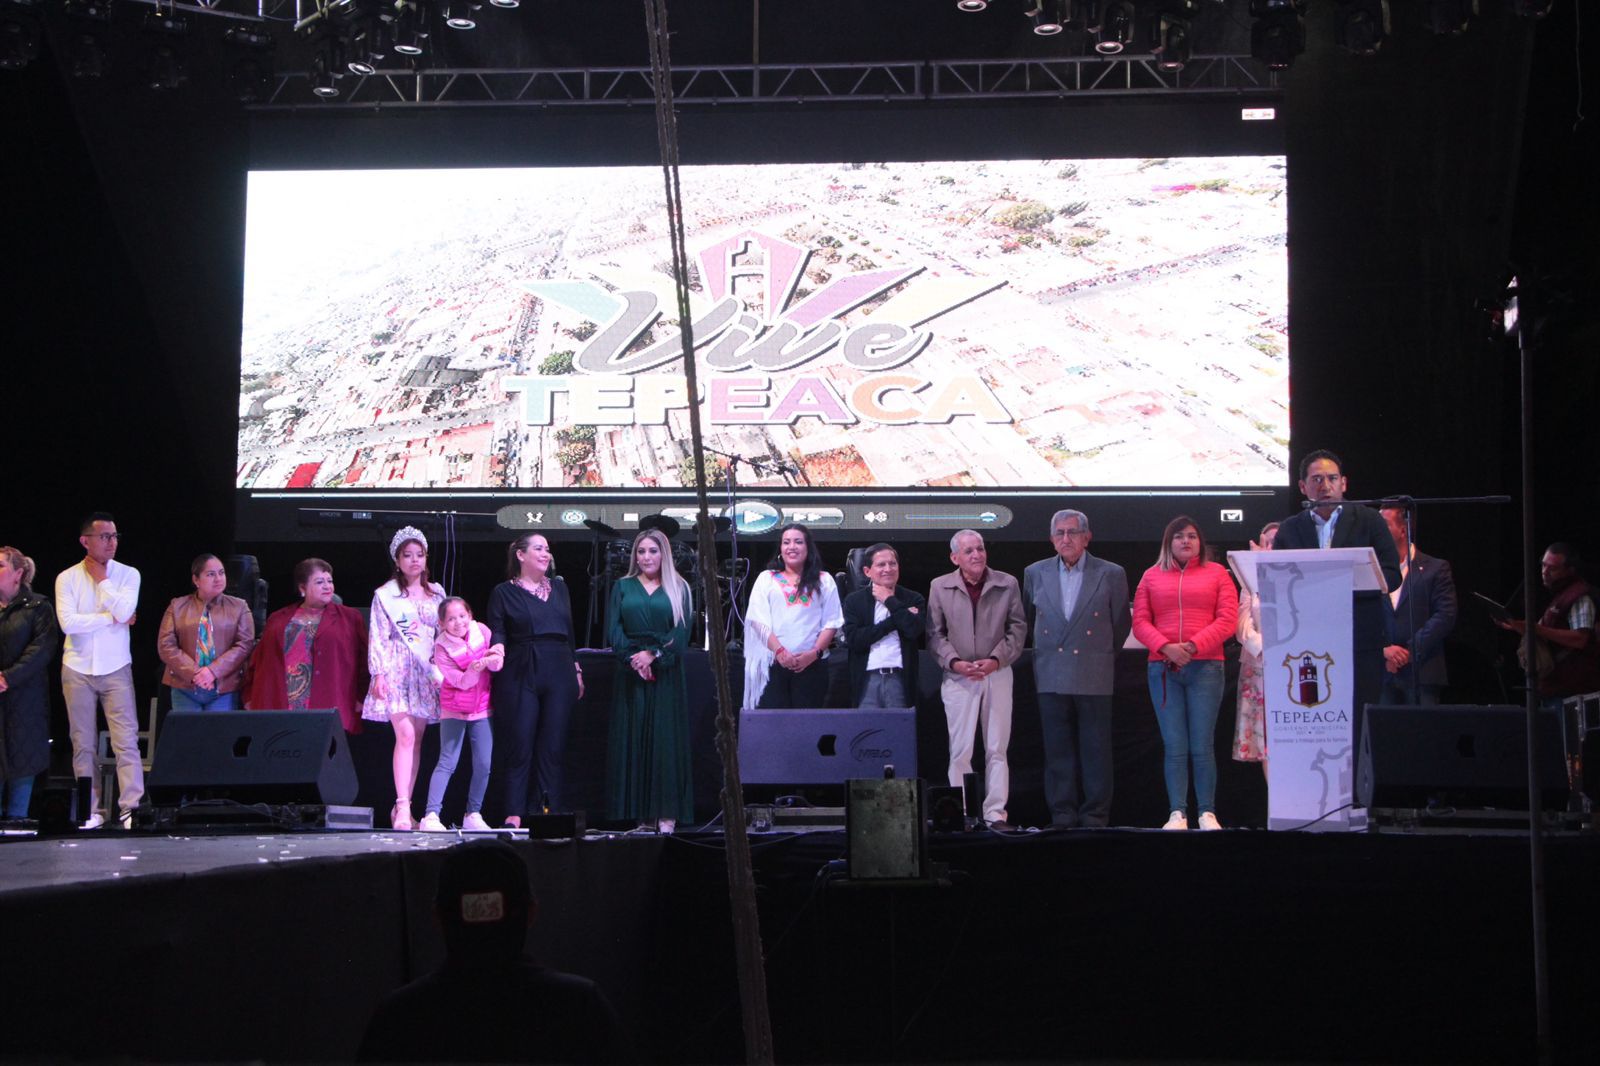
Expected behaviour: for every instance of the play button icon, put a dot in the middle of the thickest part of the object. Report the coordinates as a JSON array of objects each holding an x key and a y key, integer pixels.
[{"x": 754, "y": 516}]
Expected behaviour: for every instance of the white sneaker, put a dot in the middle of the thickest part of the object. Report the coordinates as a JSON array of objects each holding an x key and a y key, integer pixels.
[
  {"x": 474, "y": 823},
  {"x": 96, "y": 820},
  {"x": 430, "y": 823},
  {"x": 1209, "y": 821},
  {"x": 1178, "y": 820}
]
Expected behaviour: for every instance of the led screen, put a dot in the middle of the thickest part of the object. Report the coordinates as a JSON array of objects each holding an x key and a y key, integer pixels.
[{"x": 863, "y": 330}]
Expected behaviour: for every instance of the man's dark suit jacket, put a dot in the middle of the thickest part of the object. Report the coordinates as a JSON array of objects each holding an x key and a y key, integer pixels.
[
  {"x": 1429, "y": 591},
  {"x": 1358, "y": 527},
  {"x": 861, "y": 633}
]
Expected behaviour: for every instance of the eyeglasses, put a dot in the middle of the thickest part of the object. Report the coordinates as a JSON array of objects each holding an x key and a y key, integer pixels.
[{"x": 105, "y": 538}]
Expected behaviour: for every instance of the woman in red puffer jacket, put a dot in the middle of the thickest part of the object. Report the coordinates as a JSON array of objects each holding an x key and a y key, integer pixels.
[{"x": 1184, "y": 611}]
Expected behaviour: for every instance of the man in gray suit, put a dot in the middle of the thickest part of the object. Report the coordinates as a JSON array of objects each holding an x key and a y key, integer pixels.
[{"x": 1078, "y": 610}]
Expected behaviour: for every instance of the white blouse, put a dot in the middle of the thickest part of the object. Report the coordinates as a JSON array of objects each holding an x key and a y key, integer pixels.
[{"x": 796, "y": 622}]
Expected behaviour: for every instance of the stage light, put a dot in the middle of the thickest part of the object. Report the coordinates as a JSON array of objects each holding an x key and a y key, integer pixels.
[
  {"x": 250, "y": 76},
  {"x": 1363, "y": 27},
  {"x": 1170, "y": 33},
  {"x": 166, "y": 60},
  {"x": 19, "y": 35},
  {"x": 86, "y": 37},
  {"x": 328, "y": 65},
  {"x": 86, "y": 54},
  {"x": 1046, "y": 17},
  {"x": 458, "y": 15},
  {"x": 1115, "y": 27},
  {"x": 971, "y": 5},
  {"x": 506, "y": 3},
  {"x": 1279, "y": 32},
  {"x": 1449, "y": 18},
  {"x": 411, "y": 30}
]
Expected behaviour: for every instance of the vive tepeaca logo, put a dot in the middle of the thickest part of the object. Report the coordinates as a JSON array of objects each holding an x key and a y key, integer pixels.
[
  {"x": 1308, "y": 678},
  {"x": 753, "y": 319}
]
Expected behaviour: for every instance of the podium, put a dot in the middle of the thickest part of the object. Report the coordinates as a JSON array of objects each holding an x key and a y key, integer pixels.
[{"x": 1308, "y": 677}]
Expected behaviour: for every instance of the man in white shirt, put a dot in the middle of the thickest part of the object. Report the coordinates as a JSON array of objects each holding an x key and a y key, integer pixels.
[{"x": 95, "y": 603}]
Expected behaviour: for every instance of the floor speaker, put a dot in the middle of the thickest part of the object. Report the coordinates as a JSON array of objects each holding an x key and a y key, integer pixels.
[
  {"x": 253, "y": 757},
  {"x": 884, "y": 829},
  {"x": 1457, "y": 756}
]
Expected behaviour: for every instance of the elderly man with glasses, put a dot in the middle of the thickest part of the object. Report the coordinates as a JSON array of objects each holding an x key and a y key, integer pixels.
[{"x": 1078, "y": 610}]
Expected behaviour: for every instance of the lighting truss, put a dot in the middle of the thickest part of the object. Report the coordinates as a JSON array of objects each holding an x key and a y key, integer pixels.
[{"x": 909, "y": 82}]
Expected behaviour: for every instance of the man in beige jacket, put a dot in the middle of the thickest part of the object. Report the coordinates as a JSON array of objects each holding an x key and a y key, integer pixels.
[{"x": 976, "y": 629}]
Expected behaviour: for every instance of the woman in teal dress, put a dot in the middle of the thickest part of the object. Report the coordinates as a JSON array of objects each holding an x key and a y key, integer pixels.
[{"x": 649, "y": 772}]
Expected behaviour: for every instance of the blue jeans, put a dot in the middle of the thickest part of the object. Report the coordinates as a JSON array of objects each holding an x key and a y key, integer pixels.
[
  {"x": 452, "y": 731},
  {"x": 1186, "y": 703},
  {"x": 16, "y": 792},
  {"x": 203, "y": 699}
]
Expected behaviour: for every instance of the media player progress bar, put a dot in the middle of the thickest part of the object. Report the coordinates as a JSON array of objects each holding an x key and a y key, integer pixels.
[{"x": 987, "y": 517}]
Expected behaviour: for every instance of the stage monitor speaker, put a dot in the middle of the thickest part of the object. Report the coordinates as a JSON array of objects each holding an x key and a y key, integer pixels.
[
  {"x": 943, "y": 805},
  {"x": 253, "y": 757},
  {"x": 884, "y": 829},
  {"x": 1457, "y": 756}
]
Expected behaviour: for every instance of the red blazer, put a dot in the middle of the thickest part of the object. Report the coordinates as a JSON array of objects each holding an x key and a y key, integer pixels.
[
  {"x": 1198, "y": 603},
  {"x": 339, "y": 665}
]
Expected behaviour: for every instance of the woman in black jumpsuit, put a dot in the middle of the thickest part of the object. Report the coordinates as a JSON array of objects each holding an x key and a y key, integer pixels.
[{"x": 534, "y": 693}]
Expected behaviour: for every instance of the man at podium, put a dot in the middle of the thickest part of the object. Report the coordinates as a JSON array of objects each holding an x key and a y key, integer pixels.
[{"x": 1332, "y": 523}]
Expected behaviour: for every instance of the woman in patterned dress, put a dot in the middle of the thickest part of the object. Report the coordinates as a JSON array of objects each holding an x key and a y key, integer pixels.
[
  {"x": 1250, "y": 729},
  {"x": 313, "y": 654},
  {"x": 405, "y": 682}
]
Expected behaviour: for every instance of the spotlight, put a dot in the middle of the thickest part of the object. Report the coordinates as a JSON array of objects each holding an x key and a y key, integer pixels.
[
  {"x": 1046, "y": 17},
  {"x": 1171, "y": 46},
  {"x": 327, "y": 67},
  {"x": 250, "y": 76},
  {"x": 166, "y": 63},
  {"x": 971, "y": 5},
  {"x": 1279, "y": 32},
  {"x": 1363, "y": 27},
  {"x": 19, "y": 35},
  {"x": 86, "y": 54},
  {"x": 1115, "y": 27},
  {"x": 411, "y": 30},
  {"x": 458, "y": 15},
  {"x": 86, "y": 37},
  {"x": 506, "y": 3},
  {"x": 1449, "y": 18}
]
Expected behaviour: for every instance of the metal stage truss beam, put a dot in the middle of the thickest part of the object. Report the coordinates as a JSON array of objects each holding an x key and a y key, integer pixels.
[{"x": 910, "y": 82}]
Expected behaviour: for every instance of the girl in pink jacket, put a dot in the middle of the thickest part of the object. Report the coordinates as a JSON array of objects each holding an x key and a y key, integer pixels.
[
  {"x": 465, "y": 657},
  {"x": 1184, "y": 611}
]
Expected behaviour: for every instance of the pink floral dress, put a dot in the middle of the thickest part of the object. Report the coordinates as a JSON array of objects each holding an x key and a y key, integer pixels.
[{"x": 398, "y": 659}]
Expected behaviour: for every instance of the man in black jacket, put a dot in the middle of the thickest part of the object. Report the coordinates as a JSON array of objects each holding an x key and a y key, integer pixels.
[
  {"x": 883, "y": 624},
  {"x": 1332, "y": 523}
]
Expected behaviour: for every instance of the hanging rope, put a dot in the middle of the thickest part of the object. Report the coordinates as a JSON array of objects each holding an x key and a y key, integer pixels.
[{"x": 751, "y": 967}]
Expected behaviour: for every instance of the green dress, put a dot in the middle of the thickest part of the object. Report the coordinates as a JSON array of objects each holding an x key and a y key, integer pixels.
[{"x": 649, "y": 772}]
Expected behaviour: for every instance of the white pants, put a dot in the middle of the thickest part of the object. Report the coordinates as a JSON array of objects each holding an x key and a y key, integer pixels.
[
  {"x": 968, "y": 704},
  {"x": 114, "y": 693}
]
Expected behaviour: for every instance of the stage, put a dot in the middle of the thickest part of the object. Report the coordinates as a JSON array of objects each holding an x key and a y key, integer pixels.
[{"x": 1089, "y": 944}]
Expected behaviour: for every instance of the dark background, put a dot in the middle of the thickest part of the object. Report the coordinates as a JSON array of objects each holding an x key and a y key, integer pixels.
[{"x": 1418, "y": 178}]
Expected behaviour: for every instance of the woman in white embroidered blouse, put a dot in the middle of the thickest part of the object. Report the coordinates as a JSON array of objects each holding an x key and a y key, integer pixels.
[
  {"x": 789, "y": 625},
  {"x": 405, "y": 682}
]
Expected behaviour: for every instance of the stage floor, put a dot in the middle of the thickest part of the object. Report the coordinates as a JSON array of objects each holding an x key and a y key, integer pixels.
[{"x": 1090, "y": 944}]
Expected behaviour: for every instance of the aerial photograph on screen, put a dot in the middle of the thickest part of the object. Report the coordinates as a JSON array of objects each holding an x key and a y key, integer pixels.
[{"x": 1104, "y": 323}]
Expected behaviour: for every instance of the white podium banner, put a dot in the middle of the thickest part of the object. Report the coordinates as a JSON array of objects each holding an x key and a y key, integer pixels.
[{"x": 1309, "y": 683}]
